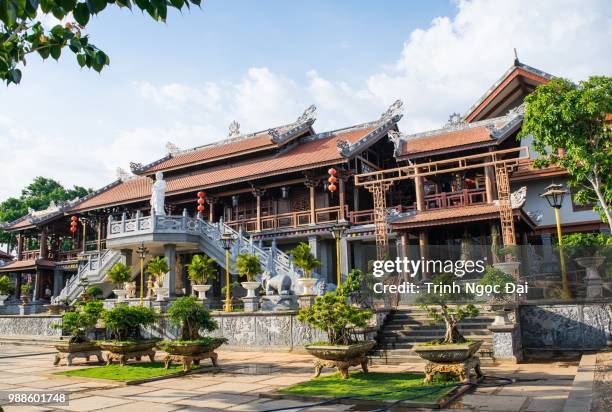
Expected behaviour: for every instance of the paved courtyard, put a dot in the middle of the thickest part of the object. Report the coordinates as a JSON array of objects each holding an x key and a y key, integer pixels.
[{"x": 244, "y": 375}]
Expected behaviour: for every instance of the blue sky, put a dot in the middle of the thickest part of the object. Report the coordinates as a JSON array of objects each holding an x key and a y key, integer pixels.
[{"x": 263, "y": 62}]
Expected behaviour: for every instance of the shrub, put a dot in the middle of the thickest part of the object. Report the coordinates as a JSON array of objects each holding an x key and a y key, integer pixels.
[
  {"x": 158, "y": 267},
  {"x": 587, "y": 244},
  {"x": 125, "y": 321},
  {"x": 26, "y": 288},
  {"x": 119, "y": 274},
  {"x": 191, "y": 317},
  {"x": 332, "y": 314},
  {"x": 358, "y": 287},
  {"x": 303, "y": 258},
  {"x": 6, "y": 286},
  {"x": 79, "y": 322},
  {"x": 95, "y": 292},
  {"x": 249, "y": 266},
  {"x": 496, "y": 277},
  {"x": 201, "y": 269}
]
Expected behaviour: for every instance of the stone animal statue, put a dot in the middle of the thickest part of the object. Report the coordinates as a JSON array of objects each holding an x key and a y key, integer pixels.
[
  {"x": 131, "y": 289},
  {"x": 322, "y": 287},
  {"x": 279, "y": 284}
]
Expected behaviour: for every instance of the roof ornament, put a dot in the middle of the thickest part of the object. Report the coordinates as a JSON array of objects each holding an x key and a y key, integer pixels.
[
  {"x": 122, "y": 174},
  {"x": 517, "y": 111},
  {"x": 396, "y": 138},
  {"x": 344, "y": 147},
  {"x": 308, "y": 115},
  {"x": 516, "y": 59},
  {"x": 135, "y": 166},
  {"x": 396, "y": 109},
  {"x": 518, "y": 198},
  {"x": 454, "y": 121},
  {"x": 171, "y": 148},
  {"x": 234, "y": 129}
]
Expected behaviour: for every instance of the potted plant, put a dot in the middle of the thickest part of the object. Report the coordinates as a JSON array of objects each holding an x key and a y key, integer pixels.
[
  {"x": 120, "y": 274},
  {"x": 158, "y": 267},
  {"x": 500, "y": 300},
  {"x": 303, "y": 258},
  {"x": 358, "y": 288},
  {"x": 192, "y": 318},
  {"x": 125, "y": 323},
  {"x": 249, "y": 266},
  {"x": 77, "y": 324},
  {"x": 25, "y": 292},
  {"x": 332, "y": 314},
  {"x": 446, "y": 307},
  {"x": 6, "y": 289},
  {"x": 94, "y": 292},
  {"x": 201, "y": 269},
  {"x": 508, "y": 259}
]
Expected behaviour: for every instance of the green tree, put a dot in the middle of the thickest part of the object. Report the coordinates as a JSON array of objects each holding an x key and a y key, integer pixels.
[
  {"x": 158, "y": 267},
  {"x": 249, "y": 266},
  {"x": 119, "y": 274},
  {"x": 569, "y": 129},
  {"x": 304, "y": 259},
  {"x": 22, "y": 32},
  {"x": 191, "y": 317},
  {"x": 201, "y": 269}
]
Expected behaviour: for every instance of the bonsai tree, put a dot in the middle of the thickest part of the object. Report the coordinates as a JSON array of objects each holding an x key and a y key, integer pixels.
[
  {"x": 332, "y": 314},
  {"x": 119, "y": 274},
  {"x": 94, "y": 292},
  {"x": 510, "y": 253},
  {"x": 158, "y": 267},
  {"x": 191, "y": 317},
  {"x": 26, "y": 288},
  {"x": 303, "y": 258},
  {"x": 249, "y": 266},
  {"x": 440, "y": 308},
  {"x": 496, "y": 277},
  {"x": 6, "y": 286},
  {"x": 201, "y": 269},
  {"x": 358, "y": 288},
  {"x": 587, "y": 244},
  {"x": 79, "y": 322},
  {"x": 125, "y": 321}
]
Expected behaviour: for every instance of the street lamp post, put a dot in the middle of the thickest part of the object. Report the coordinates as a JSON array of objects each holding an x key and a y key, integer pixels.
[
  {"x": 554, "y": 195},
  {"x": 227, "y": 239},
  {"x": 337, "y": 233},
  {"x": 142, "y": 253}
]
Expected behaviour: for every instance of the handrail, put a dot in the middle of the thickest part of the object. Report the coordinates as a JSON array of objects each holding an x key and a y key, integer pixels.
[{"x": 289, "y": 219}]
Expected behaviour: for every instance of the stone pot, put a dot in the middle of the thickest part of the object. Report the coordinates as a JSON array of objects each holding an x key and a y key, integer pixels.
[
  {"x": 25, "y": 299},
  {"x": 510, "y": 268},
  {"x": 591, "y": 263},
  {"x": 501, "y": 310},
  {"x": 307, "y": 285},
  {"x": 67, "y": 347},
  {"x": 121, "y": 294},
  {"x": 340, "y": 352},
  {"x": 202, "y": 289},
  {"x": 128, "y": 347},
  {"x": 250, "y": 287},
  {"x": 55, "y": 309},
  {"x": 173, "y": 348},
  {"x": 452, "y": 353},
  {"x": 161, "y": 294},
  {"x": 3, "y": 299}
]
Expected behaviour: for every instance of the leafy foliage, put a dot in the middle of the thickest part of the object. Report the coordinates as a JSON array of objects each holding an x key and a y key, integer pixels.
[
  {"x": 358, "y": 288},
  {"x": 26, "y": 288},
  {"x": 496, "y": 277},
  {"x": 79, "y": 322},
  {"x": 120, "y": 274},
  {"x": 158, "y": 267},
  {"x": 125, "y": 321},
  {"x": 22, "y": 32},
  {"x": 304, "y": 259},
  {"x": 249, "y": 266},
  {"x": 95, "y": 292},
  {"x": 332, "y": 314},
  {"x": 587, "y": 244},
  {"x": 6, "y": 286},
  {"x": 201, "y": 269},
  {"x": 570, "y": 117},
  {"x": 191, "y": 317},
  {"x": 440, "y": 308},
  {"x": 37, "y": 195}
]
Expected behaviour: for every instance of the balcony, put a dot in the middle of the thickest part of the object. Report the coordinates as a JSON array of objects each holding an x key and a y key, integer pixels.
[
  {"x": 289, "y": 220},
  {"x": 30, "y": 254},
  {"x": 464, "y": 197}
]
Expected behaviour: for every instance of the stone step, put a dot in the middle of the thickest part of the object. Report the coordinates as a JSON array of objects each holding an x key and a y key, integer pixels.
[
  {"x": 486, "y": 343},
  {"x": 462, "y": 326}
]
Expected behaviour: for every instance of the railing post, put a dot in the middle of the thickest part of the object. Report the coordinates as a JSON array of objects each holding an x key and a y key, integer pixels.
[
  {"x": 153, "y": 222},
  {"x": 138, "y": 217},
  {"x": 109, "y": 225},
  {"x": 184, "y": 220},
  {"x": 123, "y": 217},
  {"x": 466, "y": 198}
]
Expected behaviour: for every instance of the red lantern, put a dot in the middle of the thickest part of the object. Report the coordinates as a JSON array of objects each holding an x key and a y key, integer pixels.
[
  {"x": 332, "y": 179},
  {"x": 332, "y": 171},
  {"x": 201, "y": 201},
  {"x": 200, "y": 208},
  {"x": 201, "y": 194},
  {"x": 73, "y": 224},
  {"x": 332, "y": 188}
]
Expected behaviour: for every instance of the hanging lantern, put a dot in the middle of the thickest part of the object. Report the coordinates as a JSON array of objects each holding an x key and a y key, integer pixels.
[
  {"x": 332, "y": 171},
  {"x": 332, "y": 180},
  {"x": 73, "y": 224},
  {"x": 201, "y": 201}
]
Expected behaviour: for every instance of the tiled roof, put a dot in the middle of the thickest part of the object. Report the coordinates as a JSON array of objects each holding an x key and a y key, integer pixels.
[
  {"x": 451, "y": 138},
  {"x": 5, "y": 256},
  {"x": 26, "y": 264},
  {"x": 311, "y": 152},
  {"x": 449, "y": 215}
]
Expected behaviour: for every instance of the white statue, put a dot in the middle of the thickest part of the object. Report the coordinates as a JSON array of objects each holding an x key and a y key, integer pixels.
[{"x": 158, "y": 194}]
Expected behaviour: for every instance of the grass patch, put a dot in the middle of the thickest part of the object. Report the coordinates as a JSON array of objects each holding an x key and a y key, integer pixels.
[
  {"x": 381, "y": 386},
  {"x": 129, "y": 372}
]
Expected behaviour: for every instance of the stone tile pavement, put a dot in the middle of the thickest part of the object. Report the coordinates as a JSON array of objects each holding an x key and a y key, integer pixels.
[{"x": 244, "y": 375}]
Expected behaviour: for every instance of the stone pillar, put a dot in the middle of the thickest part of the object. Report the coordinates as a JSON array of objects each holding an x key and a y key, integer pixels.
[
  {"x": 344, "y": 258},
  {"x": 360, "y": 261},
  {"x": 37, "y": 286},
  {"x": 403, "y": 250},
  {"x": 507, "y": 344},
  {"x": 419, "y": 193},
  {"x": 490, "y": 186},
  {"x": 170, "y": 279},
  {"x": 423, "y": 245},
  {"x": 19, "y": 246},
  {"x": 547, "y": 247},
  {"x": 43, "y": 244},
  {"x": 313, "y": 242},
  {"x": 58, "y": 278}
]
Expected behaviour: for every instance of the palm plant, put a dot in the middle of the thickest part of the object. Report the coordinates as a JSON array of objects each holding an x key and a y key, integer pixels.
[
  {"x": 6, "y": 286},
  {"x": 158, "y": 267},
  {"x": 248, "y": 265},
  {"x": 119, "y": 274},
  {"x": 201, "y": 269},
  {"x": 304, "y": 259}
]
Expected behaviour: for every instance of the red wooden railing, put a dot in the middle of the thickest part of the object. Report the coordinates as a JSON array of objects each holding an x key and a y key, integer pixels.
[{"x": 289, "y": 220}]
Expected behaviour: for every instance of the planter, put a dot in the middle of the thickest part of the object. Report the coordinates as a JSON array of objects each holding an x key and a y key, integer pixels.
[
  {"x": 591, "y": 264},
  {"x": 185, "y": 349},
  {"x": 121, "y": 294},
  {"x": 510, "y": 268},
  {"x": 501, "y": 314},
  {"x": 307, "y": 285},
  {"x": 69, "y": 351},
  {"x": 68, "y": 347},
  {"x": 123, "y": 351},
  {"x": 202, "y": 289},
  {"x": 250, "y": 287},
  {"x": 55, "y": 309},
  {"x": 25, "y": 299},
  {"x": 3, "y": 299},
  {"x": 453, "y": 353},
  {"x": 341, "y": 357},
  {"x": 161, "y": 293}
]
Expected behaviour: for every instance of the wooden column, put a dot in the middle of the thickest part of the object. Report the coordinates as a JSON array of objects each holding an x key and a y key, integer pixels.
[
  {"x": 404, "y": 249},
  {"x": 84, "y": 223},
  {"x": 17, "y": 285},
  {"x": 311, "y": 184},
  {"x": 19, "y": 246},
  {"x": 258, "y": 193},
  {"x": 423, "y": 241},
  {"x": 99, "y": 234},
  {"x": 43, "y": 243},
  {"x": 490, "y": 184},
  {"x": 211, "y": 208},
  {"x": 419, "y": 193},
  {"x": 341, "y": 198}
]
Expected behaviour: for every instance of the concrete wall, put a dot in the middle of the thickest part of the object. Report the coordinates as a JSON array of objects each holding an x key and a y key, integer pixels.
[
  {"x": 30, "y": 325},
  {"x": 565, "y": 327}
]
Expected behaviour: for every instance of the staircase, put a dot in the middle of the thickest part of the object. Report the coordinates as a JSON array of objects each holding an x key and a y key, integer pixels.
[{"x": 409, "y": 325}]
